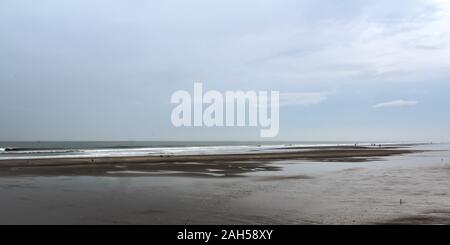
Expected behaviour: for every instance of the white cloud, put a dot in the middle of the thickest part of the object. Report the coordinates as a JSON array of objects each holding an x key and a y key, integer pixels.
[
  {"x": 304, "y": 99},
  {"x": 396, "y": 103}
]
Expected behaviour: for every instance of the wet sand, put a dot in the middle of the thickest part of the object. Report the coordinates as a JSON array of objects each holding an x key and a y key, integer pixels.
[
  {"x": 322, "y": 186},
  {"x": 229, "y": 165},
  {"x": 320, "y": 153}
]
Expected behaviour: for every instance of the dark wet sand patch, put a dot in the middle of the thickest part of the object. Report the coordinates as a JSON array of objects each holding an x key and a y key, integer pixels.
[
  {"x": 431, "y": 217},
  {"x": 281, "y": 177},
  {"x": 351, "y": 159},
  {"x": 374, "y": 146},
  {"x": 150, "y": 212},
  {"x": 352, "y": 170},
  {"x": 212, "y": 169}
]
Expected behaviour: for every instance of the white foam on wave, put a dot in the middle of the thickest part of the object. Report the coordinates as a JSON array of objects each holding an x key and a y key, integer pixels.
[{"x": 129, "y": 152}]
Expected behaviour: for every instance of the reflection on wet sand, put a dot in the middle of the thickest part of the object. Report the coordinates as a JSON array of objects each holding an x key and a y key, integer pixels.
[{"x": 185, "y": 169}]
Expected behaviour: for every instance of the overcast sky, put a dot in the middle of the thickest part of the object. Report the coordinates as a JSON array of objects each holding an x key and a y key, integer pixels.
[{"x": 105, "y": 70}]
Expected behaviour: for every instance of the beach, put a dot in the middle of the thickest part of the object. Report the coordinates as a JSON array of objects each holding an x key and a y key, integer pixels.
[
  {"x": 320, "y": 153},
  {"x": 402, "y": 184}
]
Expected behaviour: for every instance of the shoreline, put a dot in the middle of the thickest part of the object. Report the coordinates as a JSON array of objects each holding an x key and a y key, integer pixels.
[{"x": 319, "y": 153}]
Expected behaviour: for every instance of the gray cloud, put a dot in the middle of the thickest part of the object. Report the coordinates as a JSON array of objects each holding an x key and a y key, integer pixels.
[{"x": 105, "y": 69}]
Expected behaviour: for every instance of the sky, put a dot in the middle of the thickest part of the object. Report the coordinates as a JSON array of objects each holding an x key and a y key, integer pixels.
[{"x": 106, "y": 69}]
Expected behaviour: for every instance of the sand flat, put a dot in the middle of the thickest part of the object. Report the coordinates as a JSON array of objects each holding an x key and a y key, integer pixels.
[
  {"x": 326, "y": 154},
  {"x": 380, "y": 188}
]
